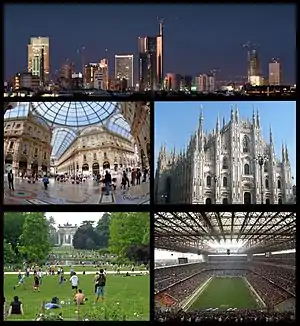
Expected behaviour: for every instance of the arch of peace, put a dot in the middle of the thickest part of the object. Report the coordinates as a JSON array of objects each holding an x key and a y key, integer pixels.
[
  {"x": 70, "y": 141},
  {"x": 65, "y": 234}
]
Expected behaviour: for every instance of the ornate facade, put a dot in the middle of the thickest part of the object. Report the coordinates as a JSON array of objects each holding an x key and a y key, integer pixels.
[
  {"x": 96, "y": 149},
  {"x": 231, "y": 165},
  {"x": 55, "y": 136},
  {"x": 27, "y": 144}
]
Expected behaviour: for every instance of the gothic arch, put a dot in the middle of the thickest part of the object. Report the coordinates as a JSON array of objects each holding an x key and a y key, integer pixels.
[
  {"x": 279, "y": 184},
  {"x": 246, "y": 169},
  {"x": 267, "y": 183},
  {"x": 208, "y": 181},
  {"x": 225, "y": 181},
  {"x": 246, "y": 144},
  {"x": 225, "y": 163}
]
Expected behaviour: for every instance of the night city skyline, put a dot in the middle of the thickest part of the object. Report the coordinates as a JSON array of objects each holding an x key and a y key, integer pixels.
[{"x": 217, "y": 46}]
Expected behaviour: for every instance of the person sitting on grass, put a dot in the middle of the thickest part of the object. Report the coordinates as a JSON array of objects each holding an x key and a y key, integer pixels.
[
  {"x": 16, "y": 307},
  {"x": 53, "y": 304},
  {"x": 79, "y": 298}
]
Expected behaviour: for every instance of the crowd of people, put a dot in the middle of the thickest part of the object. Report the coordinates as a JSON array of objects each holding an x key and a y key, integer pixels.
[
  {"x": 108, "y": 180},
  {"x": 273, "y": 284},
  {"x": 79, "y": 298},
  {"x": 234, "y": 316}
]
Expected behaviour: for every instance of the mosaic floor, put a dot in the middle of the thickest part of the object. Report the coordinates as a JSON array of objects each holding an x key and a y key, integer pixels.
[{"x": 66, "y": 193}]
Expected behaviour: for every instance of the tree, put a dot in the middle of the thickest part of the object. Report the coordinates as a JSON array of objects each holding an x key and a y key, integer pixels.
[
  {"x": 13, "y": 226},
  {"x": 35, "y": 243},
  {"x": 9, "y": 254},
  {"x": 52, "y": 231},
  {"x": 102, "y": 229},
  {"x": 127, "y": 229},
  {"x": 86, "y": 237},
  {"x": 138, "y": 253}
]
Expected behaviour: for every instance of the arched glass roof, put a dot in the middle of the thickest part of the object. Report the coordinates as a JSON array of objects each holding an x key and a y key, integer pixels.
[
  {"x": 69, "y": 118},
  {"x": 21, "y": 110},
  {"x": 75, "y": 114},
  {"x": 62, "y": 138},
  {"x": 119, "y": 125}
]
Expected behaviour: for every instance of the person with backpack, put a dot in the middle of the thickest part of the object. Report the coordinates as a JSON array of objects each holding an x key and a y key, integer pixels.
[
  {"x": 100, "y": 285},
  {"x": 45, "y": 181}
]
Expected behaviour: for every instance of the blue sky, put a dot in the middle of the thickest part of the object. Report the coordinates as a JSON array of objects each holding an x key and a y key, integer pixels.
[{"x": 176, "y": 121}]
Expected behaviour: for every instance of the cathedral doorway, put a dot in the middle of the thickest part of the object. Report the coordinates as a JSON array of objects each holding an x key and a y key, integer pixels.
[
  {"x": 247, "y": 198},
  {"x": 268, "y": 201},
  {"x": 279, "y": 201},
  {"x": 208, "y": 201},
  {"x": 225, "y": 201}
]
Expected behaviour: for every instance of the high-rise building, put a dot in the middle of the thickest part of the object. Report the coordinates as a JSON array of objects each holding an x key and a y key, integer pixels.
[
  {"x": 254, "y": 74},
  {"x": 159, "y": 56},
  {"x": 124, "y": 68},
  {"x": 147, "y": 63},
  {"x": 103, "y": 68},
  {"x": 89, "y": 72},
  {"x": 38, "y": 58},
  {"x": 275, "y": 73},
  {"x": 151, "y": 74},
  {"x": 204, "y": 83}
]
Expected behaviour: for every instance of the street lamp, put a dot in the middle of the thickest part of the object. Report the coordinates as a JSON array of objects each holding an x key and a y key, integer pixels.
[{"x": 261, "y": 160}]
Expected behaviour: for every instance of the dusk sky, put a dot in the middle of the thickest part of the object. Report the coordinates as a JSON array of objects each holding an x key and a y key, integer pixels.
[
  {"x": 184, "y": 118},
  {"x": 197, "y": 38}
]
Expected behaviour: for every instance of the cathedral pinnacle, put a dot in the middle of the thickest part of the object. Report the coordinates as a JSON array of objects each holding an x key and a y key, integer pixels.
[
  {"x": 232, "y": 114},
  {"x": 283, "y": 153},
  {"x": 236, "y": 114},
  {"x": 218, "y": 123},
  {"x": 257, "y": 118},
  {"x": 271, "y": 136},
  {"x": 253, "y": 118},
  {"x": 286, "y": 154},
  {"x": 223, "y": 122}
]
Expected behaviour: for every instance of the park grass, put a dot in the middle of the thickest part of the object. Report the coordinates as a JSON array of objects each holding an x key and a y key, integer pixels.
[
  {"x": 90, "y": 268},
  {"x": 125, "y": 297},
  {"x": 224, "y": 293}
]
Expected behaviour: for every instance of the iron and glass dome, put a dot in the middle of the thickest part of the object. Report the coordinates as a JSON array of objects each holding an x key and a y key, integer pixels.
[{"x": 68, "y": 119}]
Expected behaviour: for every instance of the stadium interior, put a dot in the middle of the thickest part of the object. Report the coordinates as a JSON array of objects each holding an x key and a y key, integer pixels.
[{"x": 236, "y": 267}]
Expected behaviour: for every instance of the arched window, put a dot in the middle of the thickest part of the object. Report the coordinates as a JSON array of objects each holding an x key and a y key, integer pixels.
[
  {"x": 279, "y": 201},
  {"x": 278, "y": 184},
  {"x": 208, "y": 201},
  {"x": 246, "y": 145},
  {"x": 266, "y": 167},
  {"x": 225, "y": 201},
  {"x": 267, "y": 184},
  {"x": 225, "y": 163},
  {"x": 208, "y": 180},
  {"x": 224, "y": 182},
  {"x": 267, "y": 201},
  {"x": 246, "y": 169}
]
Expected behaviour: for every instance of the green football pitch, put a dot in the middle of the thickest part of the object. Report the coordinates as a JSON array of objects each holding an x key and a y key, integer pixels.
[
  {"x": 224, "y": 293},
  {"x": 125, "y": 297}
]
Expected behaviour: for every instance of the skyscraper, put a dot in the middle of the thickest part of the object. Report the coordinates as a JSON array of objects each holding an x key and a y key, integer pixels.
[
  {"x": 254, "y": 74},
  {"x": 151, "y": 61},
  {"x": 124, "y": 68},
  {"x": 159, "y": 56},
  {"x": 38, "y": 58},
  {"x": 275, "y": 73},
  {"x": 147, "y": 63}
]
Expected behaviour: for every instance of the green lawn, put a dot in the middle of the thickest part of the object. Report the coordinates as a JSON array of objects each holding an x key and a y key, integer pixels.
[
  {"x": 125, "y": 296},
  {"x": 225, "y": 293},
  {"x": 89, "y": 268}
]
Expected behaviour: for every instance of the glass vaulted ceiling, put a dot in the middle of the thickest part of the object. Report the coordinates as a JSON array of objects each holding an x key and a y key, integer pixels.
[{"x": 68, "y": 119}]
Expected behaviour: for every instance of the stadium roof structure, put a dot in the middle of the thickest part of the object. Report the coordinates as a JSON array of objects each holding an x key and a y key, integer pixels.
[
  {"x": 69, "y": 119},
  {"x": 213, "y": 232}
]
